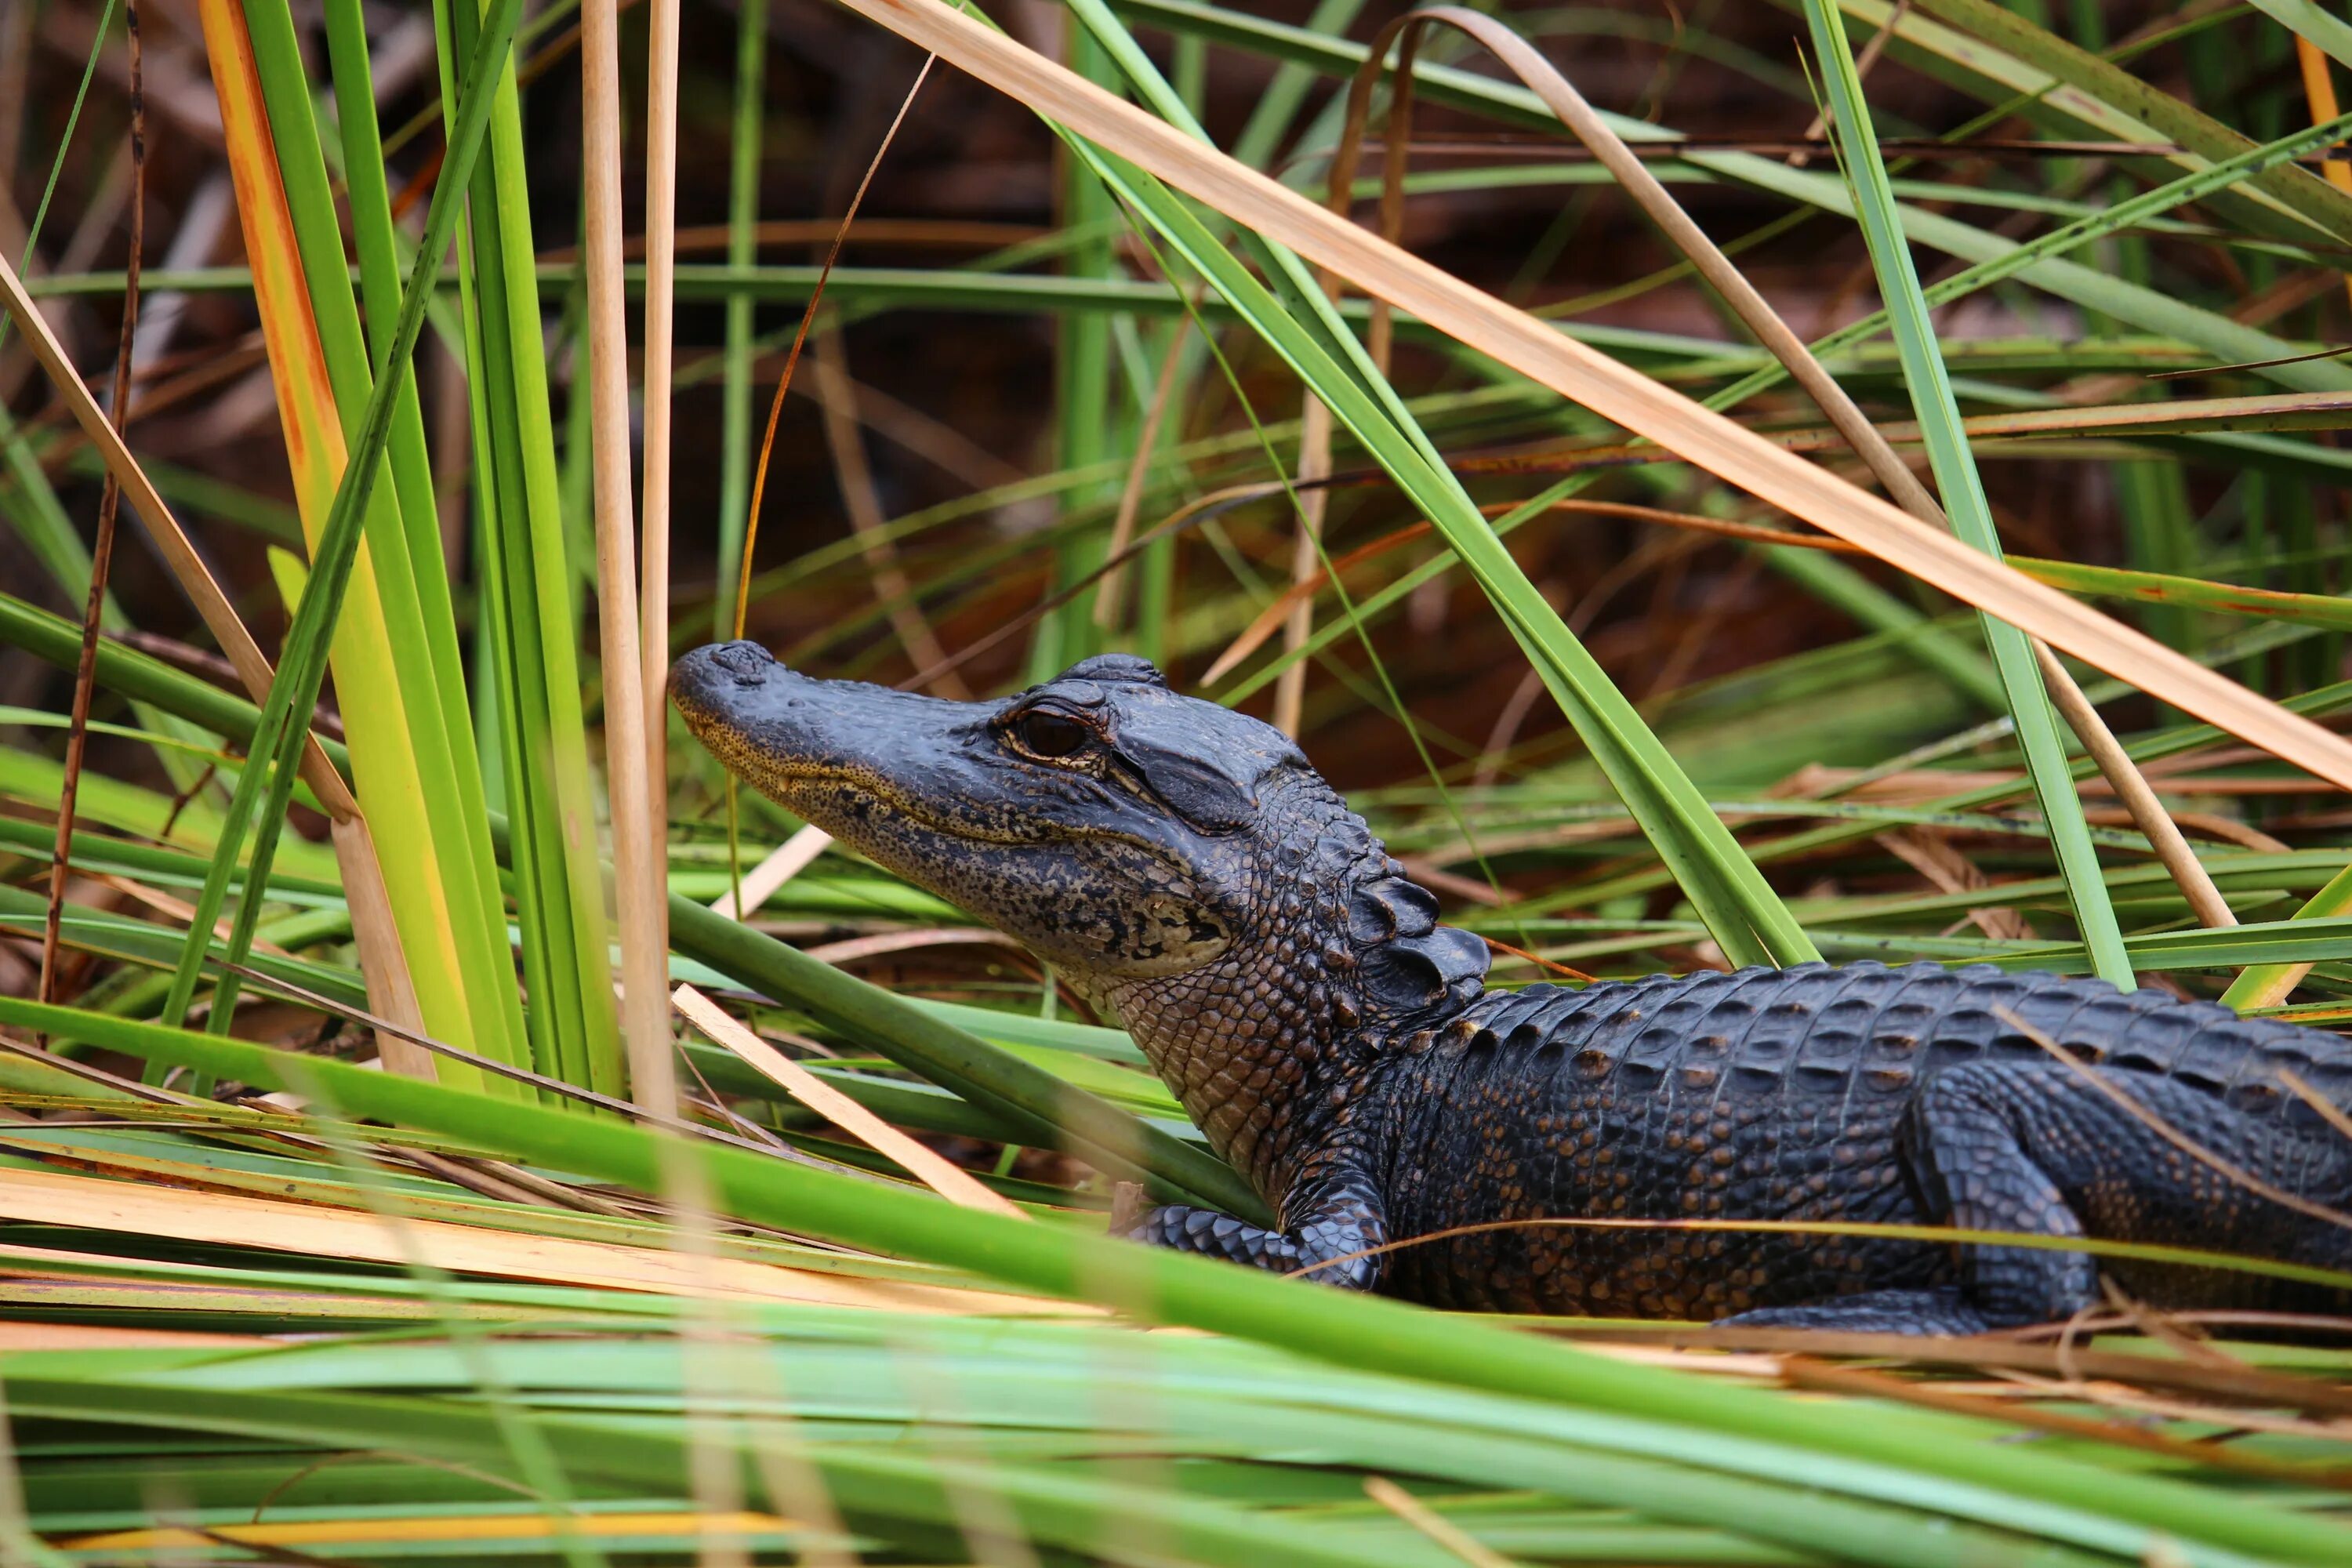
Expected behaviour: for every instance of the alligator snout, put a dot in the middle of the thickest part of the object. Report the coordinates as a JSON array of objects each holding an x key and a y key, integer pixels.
[
  {"x": 725, "y": 663},
  {"x": 723, "y": 682}
]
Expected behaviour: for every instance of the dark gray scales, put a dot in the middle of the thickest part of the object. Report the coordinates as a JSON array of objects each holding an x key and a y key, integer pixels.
[
  {"x": 1184, "y": 869},
  {"x": 1863, "y": 1094}
]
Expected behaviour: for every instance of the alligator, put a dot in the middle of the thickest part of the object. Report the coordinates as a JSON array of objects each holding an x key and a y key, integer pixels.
[{"x": 1184, "y": 869}]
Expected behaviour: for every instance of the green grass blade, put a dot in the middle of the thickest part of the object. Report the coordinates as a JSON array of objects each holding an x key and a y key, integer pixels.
[
  {"x": 529, "y": 591},
  {"x": 2286, "y": 190},
  {"x": 1963, "y": 491},
  {"x": 293, "y": 693},
  {"x": 2075, "y": 1502},
  {"x": 1739, "y": 908},
  {"x": 742, "y": 251}
]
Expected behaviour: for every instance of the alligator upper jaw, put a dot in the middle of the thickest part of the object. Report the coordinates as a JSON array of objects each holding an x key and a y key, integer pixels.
[
  {"x": 814, "y": 745},
  {"x": 775, "y": 727}
]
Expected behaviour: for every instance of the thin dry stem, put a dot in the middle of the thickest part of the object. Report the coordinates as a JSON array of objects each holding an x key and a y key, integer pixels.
[
  {"x": 638, "y": 877},
  {"x": 1305, "y": 553},
  {"x": 787, "y": 860},
  {"x": 800, "y": 338},
  {"x": 1433, "y": 1524},
  {"x": 1130, "y": 496},
  {"x": 950, "y": 1181},
  {"x": 661, "y": 273},
  {"x": 101, "y": 555},
  {"x": 845, "y": 444},
  {"x": 2148, "y": 813}
]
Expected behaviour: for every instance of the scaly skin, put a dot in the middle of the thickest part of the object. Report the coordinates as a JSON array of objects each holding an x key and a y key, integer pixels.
[{"x": 1187, "y": 870}]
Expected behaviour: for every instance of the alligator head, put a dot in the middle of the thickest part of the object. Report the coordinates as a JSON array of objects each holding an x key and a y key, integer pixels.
[{"x": 1178, "y": 862}]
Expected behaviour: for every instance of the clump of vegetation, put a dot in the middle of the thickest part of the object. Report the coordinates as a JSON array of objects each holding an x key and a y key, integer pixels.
[{"x": 1861, "y": 485}]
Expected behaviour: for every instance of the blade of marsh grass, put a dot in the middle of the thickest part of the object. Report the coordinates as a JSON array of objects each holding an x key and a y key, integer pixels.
[
  {"x": 443, "y": 894},
  {"x": 1090, "y": 425},
  {"x": 178, "y": 1213},
  {"x": 2268, "y": 984},
  {"x": 282, "y": 737},
  {"x": 637, "y": 880},
  {"x": 2306, "y": 21},
  {"x": 2289, "y": 190},
  {"x": 951, "y": 1182},
  {"x": 1056, "y": 1378},
  {"x": 529, "y": 593},
  {"x": 654, "y": 530},
  {"x": 1970, "y": 514},
  {"x": 101, "y": 555},
  {"x": 1739, "y": 908},
  {"x": 877, "y": 1491},
  {"x": 2147, "y": 308},
  {"x": 742, "y": 251},
  {"x": 305, "y": 406},
  {"x": 420, "y": 611},
  {"x": 1607, "y": 387},
  {"x": 2068, "y": 1500}
]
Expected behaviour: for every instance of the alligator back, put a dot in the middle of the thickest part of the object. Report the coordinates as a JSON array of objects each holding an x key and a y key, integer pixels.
[{"x": 1764, "y": 1094}]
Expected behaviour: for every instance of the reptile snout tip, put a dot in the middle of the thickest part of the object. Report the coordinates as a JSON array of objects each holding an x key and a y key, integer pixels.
[
  {"x": 718, "y": 668},
  {"x": 712, "y": 680},
  {"x": 748, "y": 662}
]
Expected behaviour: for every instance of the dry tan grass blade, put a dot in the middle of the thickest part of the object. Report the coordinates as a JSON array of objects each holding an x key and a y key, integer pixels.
[
  {"x": 2148, "y": 813},
  {"x": 1306, "y": 561},
  {"x": 951, "y": 1181},
  {"x": 784, "y": 862},
  {"x": 652, "y": 532},
  {"x": 845, "y": 441},
  {"x": 1519, "y": 341},
  {"x": 1559, "y": 95},
  {"x": 1844, "y": 415},
  {"x": 382, "y": 963},
  {"x": 194, "y": 577},
  {"x": 1433, "y": 1524},
  {"x": 641, "y": 900},
  {"x": 219, "y": 1219}
]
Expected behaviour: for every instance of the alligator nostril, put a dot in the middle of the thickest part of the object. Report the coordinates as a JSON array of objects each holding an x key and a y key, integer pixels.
[{"x": 748, "y": 662}]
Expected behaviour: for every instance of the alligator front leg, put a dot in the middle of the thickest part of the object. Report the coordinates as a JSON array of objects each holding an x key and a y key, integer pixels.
[{"x": 1331, "y": 1217}]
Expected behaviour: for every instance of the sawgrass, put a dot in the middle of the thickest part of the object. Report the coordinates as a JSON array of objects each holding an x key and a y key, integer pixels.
[{"x": 490, "y": 1319}]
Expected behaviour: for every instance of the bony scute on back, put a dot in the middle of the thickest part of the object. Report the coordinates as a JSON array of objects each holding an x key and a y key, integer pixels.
[{"x": 1188, "y": 871}]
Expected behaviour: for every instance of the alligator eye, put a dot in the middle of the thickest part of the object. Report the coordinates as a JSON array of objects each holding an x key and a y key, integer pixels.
[{"x": 1047, "y": 735}]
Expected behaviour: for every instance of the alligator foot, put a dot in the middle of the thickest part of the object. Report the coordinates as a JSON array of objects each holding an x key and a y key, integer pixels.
[
  {"x": 1334, "y": 1237},
  {"x": 1871, "y": 1312}
]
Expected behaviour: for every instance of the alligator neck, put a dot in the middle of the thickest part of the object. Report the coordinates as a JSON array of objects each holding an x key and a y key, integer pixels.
[{"x": 1336, "y": 958}]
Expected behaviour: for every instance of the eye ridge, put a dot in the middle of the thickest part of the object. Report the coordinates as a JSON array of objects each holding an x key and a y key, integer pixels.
[{"x": 1051, "y": 735}]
